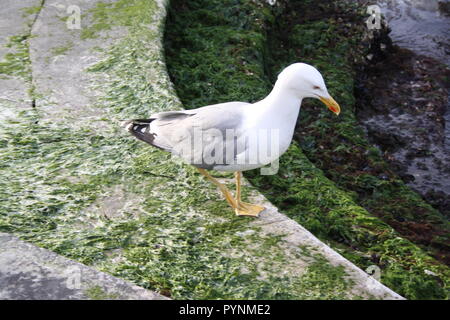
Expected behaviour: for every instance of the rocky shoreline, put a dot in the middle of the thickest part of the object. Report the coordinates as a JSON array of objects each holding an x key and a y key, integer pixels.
[{"x": 402, "y": 102}]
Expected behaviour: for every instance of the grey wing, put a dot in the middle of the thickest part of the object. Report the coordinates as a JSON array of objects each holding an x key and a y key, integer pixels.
[
  {"x": 147, "y": 129},
  {"x": 195, "y": 135},
  {"x": 211, "y": 136}
]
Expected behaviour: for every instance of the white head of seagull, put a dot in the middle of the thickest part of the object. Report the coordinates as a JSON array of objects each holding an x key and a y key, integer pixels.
[{"x": 304, "y": 81}]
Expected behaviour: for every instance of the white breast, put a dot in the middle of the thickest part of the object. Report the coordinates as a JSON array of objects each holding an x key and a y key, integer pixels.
[{"x": 269, "y": 128}]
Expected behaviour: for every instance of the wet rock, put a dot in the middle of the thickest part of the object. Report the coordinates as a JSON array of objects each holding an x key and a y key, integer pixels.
[
  {"x": 416, "y": 153},
  {"x": 402, "y": 108},
  {"x": 444, "y": 7},
  {"x": 439, "y": 200},
  {"x": 407, "y": 177},
  {"x": 379, "y": 43},
  {"x": 422, "y": 166},
  {"x": 387, "y": 141}
]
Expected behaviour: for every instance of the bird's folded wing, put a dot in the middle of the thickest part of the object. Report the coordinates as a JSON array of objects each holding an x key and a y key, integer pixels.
[{"x": 191, "y": 133}]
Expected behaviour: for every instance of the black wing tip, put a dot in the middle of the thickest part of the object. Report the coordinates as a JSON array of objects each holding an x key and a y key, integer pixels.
[
  {"x": 129, "y": 124},
  {"x": 140, "y": 128}
]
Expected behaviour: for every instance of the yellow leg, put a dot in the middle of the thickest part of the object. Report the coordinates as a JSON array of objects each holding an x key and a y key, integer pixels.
[
  {"x": 244, "y": 209},
  {"x": 227, "y": 194},
  {"x": 240, "y": 208}
]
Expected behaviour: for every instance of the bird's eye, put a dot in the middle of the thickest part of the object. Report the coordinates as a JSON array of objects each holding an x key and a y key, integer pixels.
[{"x": 316, "y": 87}]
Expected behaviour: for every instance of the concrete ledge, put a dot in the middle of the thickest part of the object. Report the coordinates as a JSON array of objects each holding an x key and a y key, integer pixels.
[
  {"x": 28, "y": 272},
  {"x": 273, "y": 223}
]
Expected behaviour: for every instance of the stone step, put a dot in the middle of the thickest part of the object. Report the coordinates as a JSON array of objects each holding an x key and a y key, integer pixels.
[{"x": 28, "y": 272}]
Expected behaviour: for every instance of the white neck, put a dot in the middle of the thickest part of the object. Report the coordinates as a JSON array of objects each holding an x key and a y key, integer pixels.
[{"x": 279, "y": 109}]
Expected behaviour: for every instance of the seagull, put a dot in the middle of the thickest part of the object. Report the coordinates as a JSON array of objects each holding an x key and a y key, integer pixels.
[{"x": 236, "y": 136}]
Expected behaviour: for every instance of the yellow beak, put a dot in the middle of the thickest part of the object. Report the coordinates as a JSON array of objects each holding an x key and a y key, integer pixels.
[{"x": 331, "y": 104}]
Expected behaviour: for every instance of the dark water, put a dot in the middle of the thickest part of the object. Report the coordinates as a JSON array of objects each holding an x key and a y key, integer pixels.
[
  {"x": 422, "y": 26},
  {"x": 419, "y": 25},
  {"x": 423, "y": 156}
]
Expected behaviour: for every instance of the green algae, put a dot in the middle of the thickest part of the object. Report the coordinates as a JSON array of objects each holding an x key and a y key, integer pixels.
[
  {"x": 33, "y": 10},
  {"x": 97, "y": 293},
  {"x": 119, "y": 13},
  {"x": 56, "y": 182},
  {"x": 215, "y": 54},
  {"x": 17, "y": 62},
  {"x": 61, "y": 50},
  {"x": 220, "y": 38}
]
